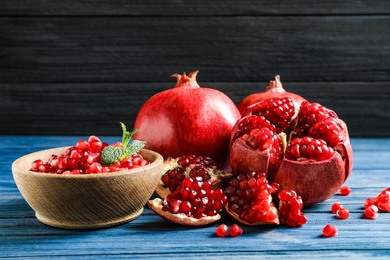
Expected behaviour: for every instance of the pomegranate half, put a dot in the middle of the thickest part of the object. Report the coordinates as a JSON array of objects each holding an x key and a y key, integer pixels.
[
  {"x": 307, "y": 150},
  {"x": 188, "y": 119}
]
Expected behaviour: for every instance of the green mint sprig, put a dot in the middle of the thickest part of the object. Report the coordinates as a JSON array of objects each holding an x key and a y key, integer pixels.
[{"x": 112, "y": 154}]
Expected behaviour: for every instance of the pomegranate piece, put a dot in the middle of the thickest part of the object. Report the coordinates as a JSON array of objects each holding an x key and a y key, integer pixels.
[
  {"x": 274, "y": 89},
  {"x": 221, "y": 230},
  {"x": 202, "y": 168},
  {"x": 194, "y": 203},
  {"x": 290, "y": 206},
  {"x": 235, "y": 230},
  {"x": 305, "y": 149},
  {"x": 330, "y": 231},
  {"x": 250, "y": 200}
]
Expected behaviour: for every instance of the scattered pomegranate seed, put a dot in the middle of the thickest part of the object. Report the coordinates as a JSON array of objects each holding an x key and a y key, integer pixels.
[
  {"x": 344, "y": 190},
  {"x": 330, "y": 231},
  {"x": 343, "y": 213},
  {"x": 371, "y": 212},
  {"x": 221, "y": 230},
  {"x": 335, "y": 207},
  {"x": 235, "y": 230}
]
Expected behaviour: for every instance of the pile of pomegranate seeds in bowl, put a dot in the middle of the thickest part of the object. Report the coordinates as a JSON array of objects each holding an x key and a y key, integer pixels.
[{"x": 94, "y": 156}]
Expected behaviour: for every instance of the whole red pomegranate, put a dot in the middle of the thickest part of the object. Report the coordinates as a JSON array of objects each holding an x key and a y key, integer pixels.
[
  {"x": 306, "y": 149},
  {"x": 188, "y": 119},
  {"x": 274, "y": 89}
]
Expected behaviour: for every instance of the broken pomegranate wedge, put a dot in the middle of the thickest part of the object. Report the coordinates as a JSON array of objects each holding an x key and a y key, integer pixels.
[
  {"x": 307, "y": 150},
  {"x": 190, "y": 191}
]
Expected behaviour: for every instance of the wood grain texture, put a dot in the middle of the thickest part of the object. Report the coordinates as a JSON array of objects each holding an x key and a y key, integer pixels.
[
  {"x": 198, "y": 8},
  {"x": 93, "y": 63},
  {"x": 85, "y": 109},
  {"x": 23, "y": 236}
]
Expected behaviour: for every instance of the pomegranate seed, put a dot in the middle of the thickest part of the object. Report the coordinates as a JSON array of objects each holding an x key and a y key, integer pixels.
[
  {"x": 369, "y": 201},
  {"x": 343, "y": 213},
  {"x": 221, "y": 230},
  {"x": 290, "y": 205},
  {"x": 344, "y": 190},
  {"x": 235, "y": 230},
  {"x": 371, "y": 212},
  {"x": 335, "y": 207},
  {"x": 298, "y": 149},
  {"x": 330, "y": 231},
  {"x": 35, "y": 165}
]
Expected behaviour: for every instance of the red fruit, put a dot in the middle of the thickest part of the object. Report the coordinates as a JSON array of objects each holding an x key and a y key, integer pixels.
[
  {"x": 371, "y": 212},
  {"x": 335, "y": 207},
  {"x": 221, "y": 230},
  {"x": 290, "y": 206},
  {"x": 188, "y": 119},
  {"x": 194, "y": 203},
  {"x": 307, "y": 151},
  {"x": 330, "y": 231},
  {"x": 250, "y": 200},
  {"x": 344, "y": 190},
  {"x": 235, "y": 230},
  {"x": 202, "y": 168},
  {"x": 343, "y": 213},
  {"x": 274, "y": 89}
]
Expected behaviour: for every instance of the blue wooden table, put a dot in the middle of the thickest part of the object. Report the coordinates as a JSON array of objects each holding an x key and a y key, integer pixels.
[{"x": 23, "y": 236}]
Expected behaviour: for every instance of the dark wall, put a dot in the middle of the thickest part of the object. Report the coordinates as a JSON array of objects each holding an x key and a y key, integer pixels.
[{"x": 74, "y": 67}]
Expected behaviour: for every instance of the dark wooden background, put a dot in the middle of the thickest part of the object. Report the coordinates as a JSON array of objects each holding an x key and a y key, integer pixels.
[{"x": 70, "y": 67}]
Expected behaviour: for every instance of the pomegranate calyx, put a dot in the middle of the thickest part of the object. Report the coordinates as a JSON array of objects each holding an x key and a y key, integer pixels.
[
  {"x": 275, "y": 85},
  {"x": 180, "y": 218},
  {"x": 186, "y": 81}
]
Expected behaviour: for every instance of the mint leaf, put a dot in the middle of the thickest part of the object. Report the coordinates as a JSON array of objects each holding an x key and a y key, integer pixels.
[{"x": 112, "y": 154}]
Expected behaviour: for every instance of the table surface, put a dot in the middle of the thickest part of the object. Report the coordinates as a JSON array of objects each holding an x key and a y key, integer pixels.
[{"x": 149, "y": 236}]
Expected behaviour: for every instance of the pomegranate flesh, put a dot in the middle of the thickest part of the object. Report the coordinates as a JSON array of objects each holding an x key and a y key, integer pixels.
[
  {"x": 306, "y": 149},
  {"x": 274, "y": 89},
  {"x": 188, "y": 119},
  {"x": 191, "y": 191}
]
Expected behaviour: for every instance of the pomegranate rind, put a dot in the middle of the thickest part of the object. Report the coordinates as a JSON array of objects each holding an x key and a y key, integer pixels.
[
  {"x": 258, "y": 223},
  {"x": 180, "y": 218},
  {"x": 313, "y": 181}
]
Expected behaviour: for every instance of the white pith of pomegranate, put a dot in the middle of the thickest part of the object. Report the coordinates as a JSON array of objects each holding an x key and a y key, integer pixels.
[
  {"x": 274, "y": 89},
  {"x": 188, "y": 119},
  {"x": 306, "y": 150}
]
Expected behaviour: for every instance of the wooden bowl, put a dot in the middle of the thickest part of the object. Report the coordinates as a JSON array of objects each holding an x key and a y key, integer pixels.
[{"x": 86, "y": 201}]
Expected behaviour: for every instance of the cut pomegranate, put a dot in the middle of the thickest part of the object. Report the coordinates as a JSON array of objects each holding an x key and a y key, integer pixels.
[
  {"x": 274, "y": 89},
  {"x": 221, "y": 230},
  {"x": 330, "y": 231},
  {"x": 250, "y": 200},
  {"x": 235, "y": 230},
  {"x": 305, "y": 149},
  {"x": 202, "y": 168},
  {"x": 193, "y": 203}
]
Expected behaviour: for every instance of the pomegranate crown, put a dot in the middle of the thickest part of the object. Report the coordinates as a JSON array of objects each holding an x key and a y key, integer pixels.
[
  {"x": 186, "y": 81},
  {"x": 275, "y": 85}
]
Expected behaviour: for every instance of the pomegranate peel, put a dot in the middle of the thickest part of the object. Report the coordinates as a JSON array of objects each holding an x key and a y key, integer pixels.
[
  {"x": 316, "y": 158},
  {"x": 180, "y": 218}
]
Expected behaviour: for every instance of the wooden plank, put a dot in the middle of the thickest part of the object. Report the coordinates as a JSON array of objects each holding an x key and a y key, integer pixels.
[
  {"x": 225, "y": 49},
  {"x": 198, "y": 8},
  {"x": 85, "y": 109},
  {"x": 149, "y": 236}
]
